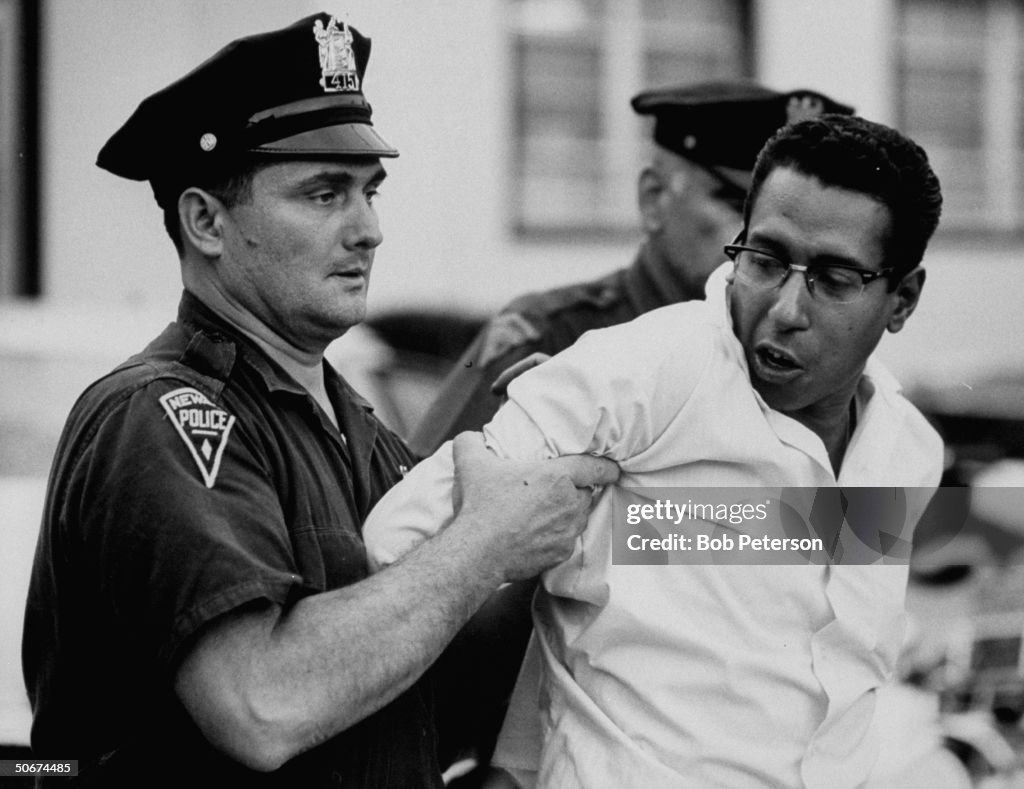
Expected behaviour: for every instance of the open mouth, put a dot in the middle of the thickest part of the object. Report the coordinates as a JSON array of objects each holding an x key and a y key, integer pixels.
[
  {"x": 774, "y": 366},
  {"x": 775, "y": 359}
]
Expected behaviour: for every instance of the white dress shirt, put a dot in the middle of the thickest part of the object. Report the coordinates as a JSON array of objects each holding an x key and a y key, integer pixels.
[{"x": 699, "y": 675}]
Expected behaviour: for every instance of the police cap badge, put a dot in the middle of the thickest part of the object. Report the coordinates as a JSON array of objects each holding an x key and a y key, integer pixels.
[
  {"x": 725, "y": 124},
  {"x": 293, "y": 92}
]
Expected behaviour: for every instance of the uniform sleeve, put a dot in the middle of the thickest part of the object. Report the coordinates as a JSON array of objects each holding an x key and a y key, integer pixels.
[{"x": 180, "y": 526}]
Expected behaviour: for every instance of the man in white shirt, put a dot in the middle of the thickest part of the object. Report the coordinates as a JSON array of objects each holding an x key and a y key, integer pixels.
[{"x": 714, "y": 675}]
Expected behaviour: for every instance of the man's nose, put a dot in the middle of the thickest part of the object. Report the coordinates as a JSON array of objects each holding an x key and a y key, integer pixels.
[
  {"x": 790, "y": 308},
  {"x": 362, "y": 227}
]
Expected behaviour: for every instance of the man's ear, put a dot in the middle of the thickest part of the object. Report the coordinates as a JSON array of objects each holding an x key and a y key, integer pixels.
[
  {"x": 650, "y": 190},
  {"x": 201, "y": 218},
  {"x": 907, "y": 293}
]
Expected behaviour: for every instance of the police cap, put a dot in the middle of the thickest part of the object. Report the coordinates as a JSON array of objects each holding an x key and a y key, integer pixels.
[
  {"x": 725, "y": 124},
  {"x": 294, "y": 92}
]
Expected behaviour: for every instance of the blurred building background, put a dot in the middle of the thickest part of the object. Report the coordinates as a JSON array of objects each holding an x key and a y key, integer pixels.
[{"x": 518, "y": 167}]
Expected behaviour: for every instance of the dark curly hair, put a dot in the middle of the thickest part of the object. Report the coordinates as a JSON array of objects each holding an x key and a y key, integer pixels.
[{"x": 849, "y": 152}]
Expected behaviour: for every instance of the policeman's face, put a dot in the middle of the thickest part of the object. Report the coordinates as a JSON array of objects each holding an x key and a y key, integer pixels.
[
  {"x": 298, "y": 255},
  {"x": 694, "y": 222},
  {"x": 805, "y": 356}
]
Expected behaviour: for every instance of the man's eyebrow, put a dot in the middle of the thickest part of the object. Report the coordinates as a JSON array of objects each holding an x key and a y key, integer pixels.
[
  {"x": 779, "y": 250},
  {"x": 838, "y": 260},
  {"x": 341, "y": 179},
  {"x": 768, "y": 245}
]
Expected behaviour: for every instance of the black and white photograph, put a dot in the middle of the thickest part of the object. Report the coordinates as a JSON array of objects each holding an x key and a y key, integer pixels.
[{"x": 512, "y": 394}]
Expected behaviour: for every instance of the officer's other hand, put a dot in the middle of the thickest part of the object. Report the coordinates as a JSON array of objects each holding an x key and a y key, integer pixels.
[
  {"x": 530, "y": 511},
  {"x": 515, "y": 370}
]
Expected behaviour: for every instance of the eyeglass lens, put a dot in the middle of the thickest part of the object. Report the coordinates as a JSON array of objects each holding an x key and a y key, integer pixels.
[{"x": 833, "y": 284}]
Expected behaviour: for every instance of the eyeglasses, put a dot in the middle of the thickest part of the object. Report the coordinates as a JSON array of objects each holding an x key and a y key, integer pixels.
[{"x": 833, "y": 283}]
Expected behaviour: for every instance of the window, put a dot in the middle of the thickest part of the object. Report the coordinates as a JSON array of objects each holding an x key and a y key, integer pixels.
[
  {"x": 19, "y": 95},
  {"x": 577, "y": 63},
  {"x": 960, "y": 91}
]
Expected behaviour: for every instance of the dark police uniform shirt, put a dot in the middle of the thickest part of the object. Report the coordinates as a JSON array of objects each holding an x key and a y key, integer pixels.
[
  {"x": 195, "y": 479},
  {"x": 544, "y": 322}
]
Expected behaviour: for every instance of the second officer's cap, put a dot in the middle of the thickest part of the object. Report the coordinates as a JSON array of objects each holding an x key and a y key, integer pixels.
[
  {"x": 293, "y": 92},
  {"x": 725, "y": 124}
]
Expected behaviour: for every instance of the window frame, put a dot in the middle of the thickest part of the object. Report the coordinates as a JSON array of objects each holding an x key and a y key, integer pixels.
[
  {"x": 20, "y": 269},
  {"x": 625, "y": 137},
  {"x": 999, "y": 70}
]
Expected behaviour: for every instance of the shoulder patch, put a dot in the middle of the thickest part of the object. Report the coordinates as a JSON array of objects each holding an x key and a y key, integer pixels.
[{"x": 203, "y": 426}]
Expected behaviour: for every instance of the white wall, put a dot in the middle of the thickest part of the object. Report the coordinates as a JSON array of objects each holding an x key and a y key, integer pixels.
[
  {"x": 103, "y": 242},
  {"x": 439, "y": 82},
  {"x": 436, "y": 80},
  {"x": 836, "y": 46},
  {"x": 969, "y": 322}
]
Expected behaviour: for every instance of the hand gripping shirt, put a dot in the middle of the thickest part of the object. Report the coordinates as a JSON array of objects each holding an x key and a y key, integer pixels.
[
  {"x": 703, "y": 675},
  {"x": 195, "y": 479}
]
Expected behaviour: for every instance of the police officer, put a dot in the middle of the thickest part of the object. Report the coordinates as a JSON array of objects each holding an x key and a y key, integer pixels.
[
  {"x": 690, "y": 196},
  {"x": 200, "y": 608}
]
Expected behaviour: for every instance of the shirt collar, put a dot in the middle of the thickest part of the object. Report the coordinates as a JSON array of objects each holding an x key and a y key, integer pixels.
[
  {"x": 716, "y": 294},
  {"x": 874, "y": 378},
  {"x": 197, "y": 318}
]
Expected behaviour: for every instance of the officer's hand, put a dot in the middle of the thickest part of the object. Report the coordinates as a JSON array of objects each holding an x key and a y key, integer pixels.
[
  {"x": 530, "y": 512},
  {"x": 515, "y": 370}
]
